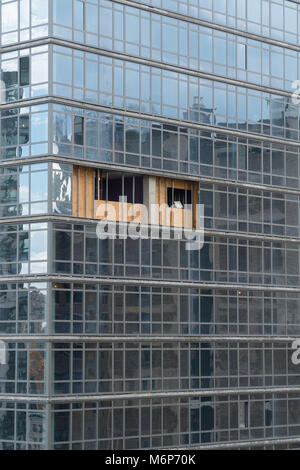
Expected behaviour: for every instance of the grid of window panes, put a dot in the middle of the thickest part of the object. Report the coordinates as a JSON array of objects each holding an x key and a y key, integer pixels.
[
  {"x": 102, "y": 137},
  {"x": 24, "y": 132},
  {"x": 170, "y": 422},
  {"x": 275, "y": 446},
  {"x": 250, "y": 210},
  {"x": 62, "y": 182},
  {"x": 112, "y": 368},
  {"x": 22, "y": 426},
  {"x": 278, "y": 19},
  {"x": 28, "y": 19},
  {"x": 24, "y": 74},
  {"x": 23, "y": 20},
  {"x": 221, "y": 260},
  {"x": 23, "y": 308},
  {"x": 138, "y": 142},
  {"x": 23, "y": 249},
  {"x": 139, "y": 33},
  {"x": 77, "y": 250},
  {"x": 24, "y": 370},
  {"x": 24, "y": 189},
  {"x": 147, "y": 89},
  {"x": 99, "y": 308}
]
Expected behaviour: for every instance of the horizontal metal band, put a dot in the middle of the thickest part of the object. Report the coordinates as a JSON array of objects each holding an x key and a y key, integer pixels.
[
  {"x": 241, "y": 444},
  {"x": 148, "y": 339},
  {"x": 145, "y": 283},
  {"x": 149, "y": 395}
]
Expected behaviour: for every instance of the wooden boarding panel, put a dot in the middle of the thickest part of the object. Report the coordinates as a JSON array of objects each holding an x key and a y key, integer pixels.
[
  {"x": 82, "y": 192},
  {"x": 90, "y": 193},
  {"x": 85, "y": 205},
  {"x": 75, "y": 191}
]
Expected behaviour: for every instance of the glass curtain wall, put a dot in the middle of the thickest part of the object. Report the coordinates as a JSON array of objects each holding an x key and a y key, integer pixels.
[{"x": 177, "y": 348}]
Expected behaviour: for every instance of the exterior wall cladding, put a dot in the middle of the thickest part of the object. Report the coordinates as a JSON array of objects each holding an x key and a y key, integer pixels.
[{"x": 139, "y": 343}]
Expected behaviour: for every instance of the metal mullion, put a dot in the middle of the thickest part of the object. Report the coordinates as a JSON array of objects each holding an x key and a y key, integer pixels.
[
  {"x": 71, "y": 427},
  {"x": 30, "y": 189},
  {"x": 15, "y": 426},
  {"x": 49, "y": 381},
  {"x": 50, "y": 74},
  {"x": 94, "y": 190},
  {"x": 72, "y": 307},
  {"x": 50, "y": 241},
  {"x": 83, "y": 367},
  {"x": 50, "y": 188},
  {"x": 124, "y": 368},
  {"x": 85, "y": 192},
  {"x": 76, "y": 168},
  {"x": 124, "y": 308},
  {"x": 140, "y": 425},
  {"x": 50, "y": 18},
  {"x": 71, "y": 367}
]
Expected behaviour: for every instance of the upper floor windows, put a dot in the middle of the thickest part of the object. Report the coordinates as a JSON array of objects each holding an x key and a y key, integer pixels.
[
  {"x": 85, "y": 18},
  {"x": 135, "y": 32},
  {"x": 178, "y": 198},
  {"x": 144, "y": 144},
  {"x": 24, "y": 132},
  {"x": 146, "y": 89},
  {"x": 35, "y": 189},
  {"x": 106, "y": 138},
  {"x": 24, "y": 74},
  {"x": 22, "y": 20},
  {"x": 78, "y": 130},
  {"x": 24, "y": 71},
  {"x": 271, "y": 18}
]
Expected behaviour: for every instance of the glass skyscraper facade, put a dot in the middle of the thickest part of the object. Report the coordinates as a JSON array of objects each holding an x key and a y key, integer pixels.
[{"x": 139, "y": 343}]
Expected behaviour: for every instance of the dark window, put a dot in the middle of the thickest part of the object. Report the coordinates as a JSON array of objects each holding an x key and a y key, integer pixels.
[
  {"x": 24, "y": 71},
  {"x": 24, "y": 130},
  {"x": 113, "y": 188},
  {"x": 268, "y": 413},
  {"x": 78, "y": 130},
  {"x": 178, "y": 197}
]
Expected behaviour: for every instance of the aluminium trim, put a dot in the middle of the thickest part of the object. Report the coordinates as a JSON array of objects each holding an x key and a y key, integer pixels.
[
  {"x": 146, "y": 283},
  {"x": 239, "y": 444},
  {"x": 57, "y": 338},
  {"x": 150, "y": 395}
]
